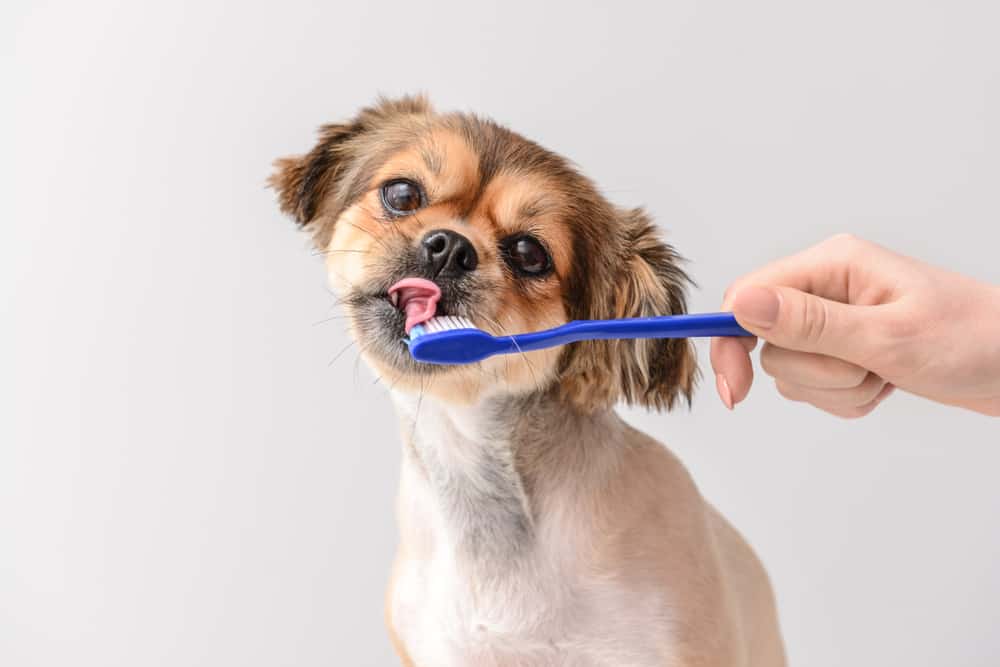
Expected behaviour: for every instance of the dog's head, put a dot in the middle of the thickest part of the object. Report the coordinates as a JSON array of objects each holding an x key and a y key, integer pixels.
[{"x": 421, "y": 213}]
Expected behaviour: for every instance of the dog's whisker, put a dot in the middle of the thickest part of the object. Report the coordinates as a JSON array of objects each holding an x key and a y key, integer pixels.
[
  {"x": 394, "y": 224},
  {"x": 330, "y": 319},
  {"x": 357, "y": 363},
  {"x": 370, "y": 233},
  {"x": 341, "y": 352},
  {"x": 416, "y": 412},
  {"x": 396, "y": 380},
  {"x": 361, "y": 350},
  {"x": 417, "y": 218},
  {"x": 531, "y": 369},
  {"x": 506, "y": 358},
  {"x": 337, "y": 299},
  {"x": 527, "y": 362},
  {"x": 393, "y": 221},
  {"x": 356, "y": 288}
]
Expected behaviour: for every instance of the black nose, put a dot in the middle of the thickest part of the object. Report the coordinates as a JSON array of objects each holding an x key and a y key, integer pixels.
[{"x": 448, "y": 253}]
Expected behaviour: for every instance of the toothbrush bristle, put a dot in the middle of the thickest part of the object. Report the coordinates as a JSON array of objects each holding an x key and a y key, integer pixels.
[
  {"x": 437, "y": 325},
  {"x": 447, "y": 323}
]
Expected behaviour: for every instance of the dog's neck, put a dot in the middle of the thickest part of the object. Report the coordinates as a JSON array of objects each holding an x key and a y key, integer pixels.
[{"x": 487, "y": 472}]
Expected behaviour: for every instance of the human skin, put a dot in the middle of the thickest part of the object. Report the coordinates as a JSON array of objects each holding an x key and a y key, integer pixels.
[{"x": 847, "y": 321}]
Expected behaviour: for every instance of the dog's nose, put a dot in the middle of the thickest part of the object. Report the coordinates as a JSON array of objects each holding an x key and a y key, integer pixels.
[{"x": 448, "y": 253}]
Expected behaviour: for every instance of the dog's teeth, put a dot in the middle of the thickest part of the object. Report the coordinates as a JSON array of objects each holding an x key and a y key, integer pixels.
[{"x": 394, "y": 299}]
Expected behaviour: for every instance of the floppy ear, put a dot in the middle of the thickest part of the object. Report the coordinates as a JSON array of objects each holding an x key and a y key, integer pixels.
[
  {"x": 303, "y": 182},
  {"x": 644, "y": 279}
]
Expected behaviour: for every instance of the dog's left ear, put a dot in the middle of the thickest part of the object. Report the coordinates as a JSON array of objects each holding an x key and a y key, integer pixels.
[{"x": 642, "y": 277}]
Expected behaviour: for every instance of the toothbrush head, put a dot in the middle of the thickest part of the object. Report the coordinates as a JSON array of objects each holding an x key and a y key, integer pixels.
[{"x": 450, "y": 340}]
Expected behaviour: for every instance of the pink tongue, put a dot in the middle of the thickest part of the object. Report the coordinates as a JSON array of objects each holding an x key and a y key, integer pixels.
[
  {"x": 417, "y": 298},
  {"x": 418, "y": 310}
]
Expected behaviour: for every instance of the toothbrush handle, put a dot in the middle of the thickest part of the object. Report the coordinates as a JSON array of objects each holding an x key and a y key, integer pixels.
[{"x": 668, "y": 326}]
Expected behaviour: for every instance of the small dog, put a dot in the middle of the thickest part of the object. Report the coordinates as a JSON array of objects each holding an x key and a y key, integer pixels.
[{"x": 537, "y": 527}]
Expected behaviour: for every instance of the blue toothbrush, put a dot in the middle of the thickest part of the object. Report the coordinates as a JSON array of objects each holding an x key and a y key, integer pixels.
[{"x": 456, "y": 340}]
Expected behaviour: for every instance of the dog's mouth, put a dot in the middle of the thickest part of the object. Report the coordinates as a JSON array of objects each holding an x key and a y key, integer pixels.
[
  {"x": 417, "y": 298},
  {"x": 384, "y": 317}
]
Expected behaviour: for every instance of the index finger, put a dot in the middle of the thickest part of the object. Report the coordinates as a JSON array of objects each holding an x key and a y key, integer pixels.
[{"x": 835, "y": 269}]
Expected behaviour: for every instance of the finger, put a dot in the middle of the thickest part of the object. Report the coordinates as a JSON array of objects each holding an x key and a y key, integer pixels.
[
  {"x": 853, "y": 397},
  {"x": 839, "y": 269},
  {"x": 810, "y": 370},
  {"x": 849, "y": 413},
  {"x": 861, "y": 411},
  {"x": 799, "y": 321},
  {"x": 733, "y": 368}
]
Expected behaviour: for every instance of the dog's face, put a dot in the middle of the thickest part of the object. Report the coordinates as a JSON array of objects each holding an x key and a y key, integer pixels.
[{"x": 421, "y": 214}]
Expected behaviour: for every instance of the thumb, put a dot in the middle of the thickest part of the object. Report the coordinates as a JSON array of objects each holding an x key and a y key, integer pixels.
[{"x": 796, "y": 320}]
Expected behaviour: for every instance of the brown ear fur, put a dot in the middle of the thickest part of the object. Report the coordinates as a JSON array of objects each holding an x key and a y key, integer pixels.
[
  {"x": 643, "y": 280},
  {"x": 303, "y": 182}
]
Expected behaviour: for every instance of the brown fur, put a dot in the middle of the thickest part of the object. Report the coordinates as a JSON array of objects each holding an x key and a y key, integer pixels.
[
  {"x": 558, "y": 534},
  {"x": 491, "y": 182},
  {"x": 641, "y": 278}
]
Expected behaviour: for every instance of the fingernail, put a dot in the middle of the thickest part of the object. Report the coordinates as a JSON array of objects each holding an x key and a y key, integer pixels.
[
  {"x": 757, "y": 306},
  {"x": 725, "y": 393}
]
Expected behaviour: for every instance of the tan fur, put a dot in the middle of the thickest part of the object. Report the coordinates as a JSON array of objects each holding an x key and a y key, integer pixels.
[
  {"x": 536, "y": 527},
  {"x": 397, "y": 643}
]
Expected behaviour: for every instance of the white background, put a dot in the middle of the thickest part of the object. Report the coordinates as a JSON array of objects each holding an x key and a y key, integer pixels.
[{"x": 184, "y": 480}]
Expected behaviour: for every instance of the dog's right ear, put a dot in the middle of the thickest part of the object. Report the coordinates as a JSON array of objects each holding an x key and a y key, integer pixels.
[{"x": 304, "y": 182}]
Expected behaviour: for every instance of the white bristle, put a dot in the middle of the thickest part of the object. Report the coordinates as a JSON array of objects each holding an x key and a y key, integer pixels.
[{"x": 447, "y": 323}]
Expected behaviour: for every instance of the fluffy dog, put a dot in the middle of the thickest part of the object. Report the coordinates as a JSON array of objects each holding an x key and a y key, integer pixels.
[{"x": 537, "y": 527}]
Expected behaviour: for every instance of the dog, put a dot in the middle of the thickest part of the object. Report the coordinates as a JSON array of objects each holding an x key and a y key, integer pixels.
[{"x": 536, "y": 526}]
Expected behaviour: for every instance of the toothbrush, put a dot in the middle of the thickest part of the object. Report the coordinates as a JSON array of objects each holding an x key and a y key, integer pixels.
[{"x": 456, "y": 340}]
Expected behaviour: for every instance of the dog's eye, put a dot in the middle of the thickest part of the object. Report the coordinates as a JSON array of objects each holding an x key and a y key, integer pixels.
[
  {"x": 527, "y": 256},
  {"x": 401, "y": 196}
]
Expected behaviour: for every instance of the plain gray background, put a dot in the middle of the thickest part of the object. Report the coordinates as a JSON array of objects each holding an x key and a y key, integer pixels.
[{"x": 184, "y": 480}]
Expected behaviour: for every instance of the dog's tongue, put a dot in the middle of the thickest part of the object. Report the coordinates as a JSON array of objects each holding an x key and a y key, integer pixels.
[{"x": 417, "y": 298}]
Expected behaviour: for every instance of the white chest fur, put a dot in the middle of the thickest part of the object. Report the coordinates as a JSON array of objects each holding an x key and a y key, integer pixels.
[
  {"x": 537, "y": 610},
  {"x": 443, "y": 622},
  {"x": 485, "y": 579}
]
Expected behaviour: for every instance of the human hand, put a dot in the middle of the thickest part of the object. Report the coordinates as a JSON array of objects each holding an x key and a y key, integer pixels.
[{"x": 846, "y": 321}]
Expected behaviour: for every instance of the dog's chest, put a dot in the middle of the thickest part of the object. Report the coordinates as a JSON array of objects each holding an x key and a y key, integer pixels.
[
  {"x": 446, "y": 618},
  {"x": 483, "y": 580}
]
